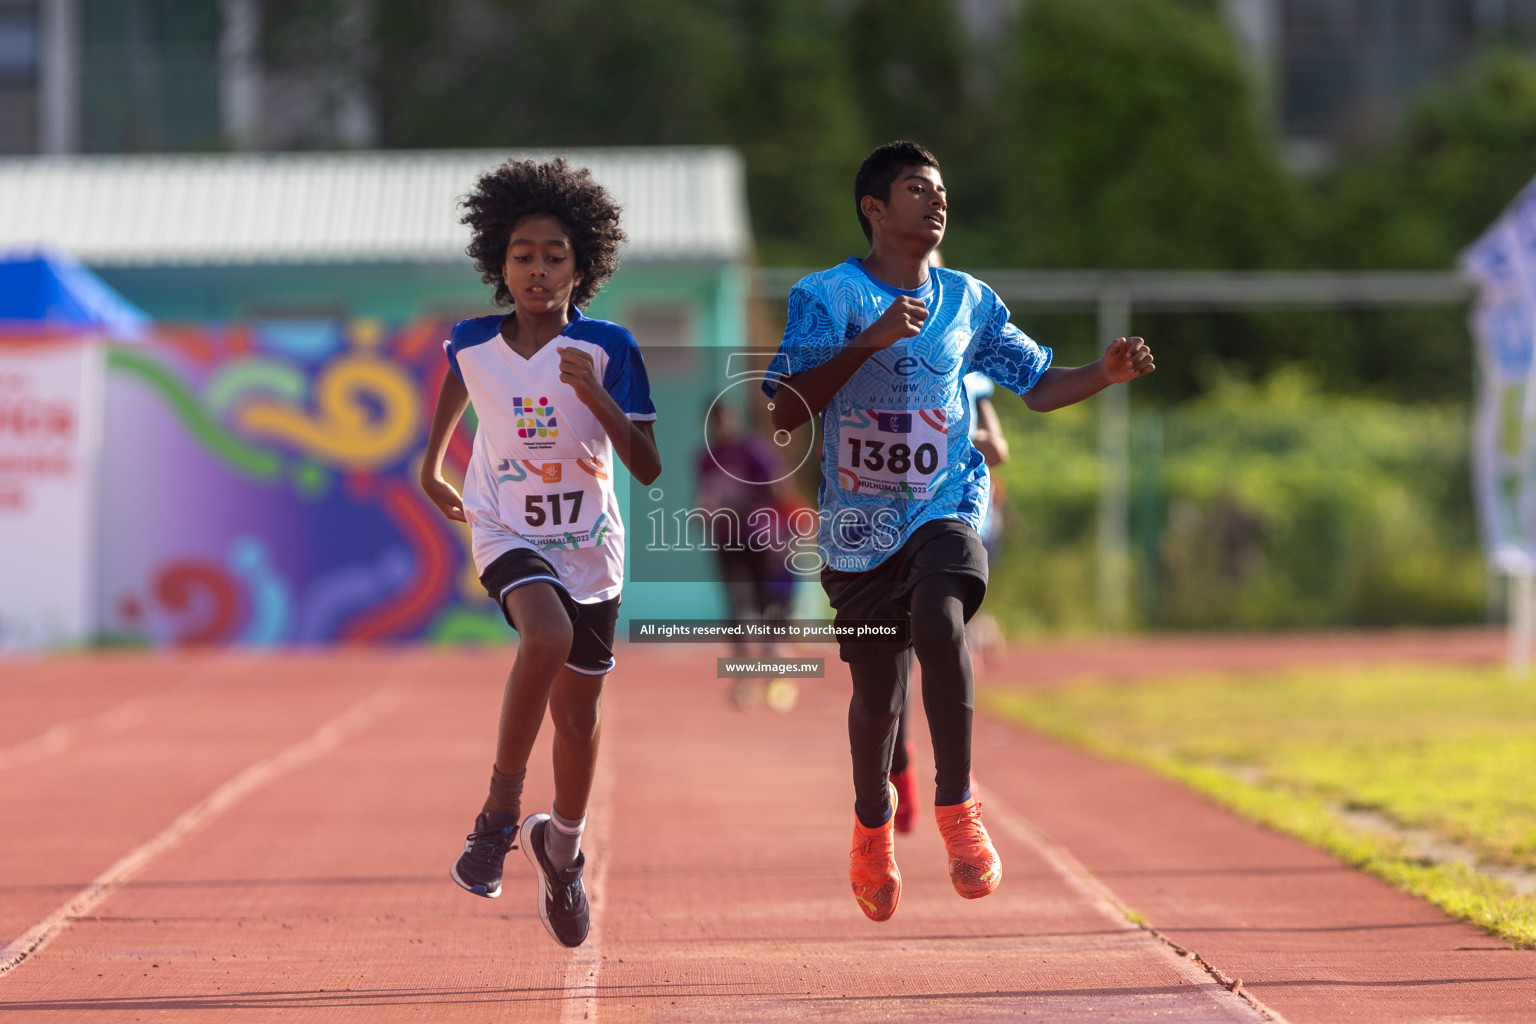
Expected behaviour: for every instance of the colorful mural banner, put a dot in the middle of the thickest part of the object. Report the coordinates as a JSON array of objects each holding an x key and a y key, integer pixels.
[
  {"x": 50, "y": 438},
  {"x": 259, "y": 486}
]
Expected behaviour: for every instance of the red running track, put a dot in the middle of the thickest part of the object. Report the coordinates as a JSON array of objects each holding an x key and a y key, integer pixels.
[{"x": 242, "y": 837}]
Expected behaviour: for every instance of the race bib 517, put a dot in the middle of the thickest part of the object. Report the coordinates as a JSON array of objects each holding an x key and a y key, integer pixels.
[{"x": 554, "y": 504}]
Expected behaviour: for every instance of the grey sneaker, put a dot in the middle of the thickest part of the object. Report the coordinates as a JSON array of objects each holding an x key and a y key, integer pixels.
[
  {"x": 562, "y": 900},
  {"x": 478, "y": 868}
]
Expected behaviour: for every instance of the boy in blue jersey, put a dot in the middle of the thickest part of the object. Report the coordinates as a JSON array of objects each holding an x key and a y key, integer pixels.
[
  {"x": 557, "y": 394},
  {"x": 878, "y": 348}
]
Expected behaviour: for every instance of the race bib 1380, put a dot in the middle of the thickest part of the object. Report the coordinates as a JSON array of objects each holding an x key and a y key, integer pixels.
[{"x": 898, "y": 453}]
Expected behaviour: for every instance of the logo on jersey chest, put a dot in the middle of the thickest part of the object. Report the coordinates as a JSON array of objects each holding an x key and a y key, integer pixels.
[
  {"x": 938, "y": 363},
  {"x": 535, "y": 421},
  {"x": 920, "y": 358}
]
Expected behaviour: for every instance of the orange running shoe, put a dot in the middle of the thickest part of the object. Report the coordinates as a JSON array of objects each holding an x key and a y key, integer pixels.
[
  {"x": 872, "y": 869},
  {"x": 974, "y": 868},
  {"x": 905, "y": 782}
]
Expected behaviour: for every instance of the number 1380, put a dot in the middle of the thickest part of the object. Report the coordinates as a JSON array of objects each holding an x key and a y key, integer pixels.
[{"x": 896, "y": 458}]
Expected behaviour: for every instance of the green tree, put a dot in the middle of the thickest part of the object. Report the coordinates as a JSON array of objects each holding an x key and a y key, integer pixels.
[
  {"x": 921, "y": 76},
  {"x": 518, "y": 73},
  {"x": 1468, "y": 147},
  {"x": 793, "y": 114},
  {"x": 768, "y": 77},
  {"x": 1129, "y": 136}
]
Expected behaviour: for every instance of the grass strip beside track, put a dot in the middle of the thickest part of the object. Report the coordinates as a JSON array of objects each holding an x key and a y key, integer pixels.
[{"x": 1446, "y": 750}]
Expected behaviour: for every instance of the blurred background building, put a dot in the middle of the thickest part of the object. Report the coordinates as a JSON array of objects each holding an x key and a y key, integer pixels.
[
  {"x": 367, "y": 233},
  {"x": 1343, "y": 72}
]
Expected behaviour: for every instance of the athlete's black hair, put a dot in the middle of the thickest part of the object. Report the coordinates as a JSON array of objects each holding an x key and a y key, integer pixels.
[
  {"x": 521, "y": 188},
  {"x": 879, "y": 171}
]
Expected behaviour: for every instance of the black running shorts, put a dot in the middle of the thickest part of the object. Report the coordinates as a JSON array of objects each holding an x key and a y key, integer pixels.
[
  {"x": 945, "y": 546},
  {"x": 592, "y": 625}
]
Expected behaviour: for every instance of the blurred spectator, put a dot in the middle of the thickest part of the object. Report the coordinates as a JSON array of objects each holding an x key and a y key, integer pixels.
[
  {"x": 739, "y": 472},
  {"x": 982, "y": 633}
]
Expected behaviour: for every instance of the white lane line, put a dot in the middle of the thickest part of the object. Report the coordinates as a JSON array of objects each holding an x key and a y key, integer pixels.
[
  {"x": 579, "y": 1005},
  {"x": 323, "y": 740},
  {"x": 1187, "y": 963},
  {"x": 125, "y": 716},
  {"x": 66, "y": 734}
]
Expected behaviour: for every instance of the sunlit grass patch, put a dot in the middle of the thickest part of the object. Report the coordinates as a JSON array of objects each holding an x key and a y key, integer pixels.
[{"x": 1451, "y": 751}]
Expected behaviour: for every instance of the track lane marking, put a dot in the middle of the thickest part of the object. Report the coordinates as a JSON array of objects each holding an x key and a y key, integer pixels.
[
  {"x": 61, "y": 736},
  {"x": 579, "y": 1005},
  {"x": 64, "y": 735},
  {"x": 1187, "y": 963},
  {"x": 323, "y": 740}
]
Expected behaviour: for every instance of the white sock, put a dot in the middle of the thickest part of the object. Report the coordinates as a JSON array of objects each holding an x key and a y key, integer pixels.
[{"x": 562, "y": 839}]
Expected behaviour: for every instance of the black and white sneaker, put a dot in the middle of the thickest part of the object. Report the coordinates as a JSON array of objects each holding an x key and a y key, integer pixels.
[
  {"x": 562, "y": 900},
  {"x": 478, "y": 868}
]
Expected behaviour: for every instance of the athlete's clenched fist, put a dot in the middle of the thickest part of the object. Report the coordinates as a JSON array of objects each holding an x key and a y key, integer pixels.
[
  {"x": 1127, "y": 358},
  {"x": 904, "y": 319},
  {"x": 578, "y": 370}
]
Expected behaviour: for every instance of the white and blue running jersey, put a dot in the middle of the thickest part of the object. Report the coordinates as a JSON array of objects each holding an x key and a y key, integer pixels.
[
  {"x": 541, "y": 476},
  {"x": 896, "y": 450}
]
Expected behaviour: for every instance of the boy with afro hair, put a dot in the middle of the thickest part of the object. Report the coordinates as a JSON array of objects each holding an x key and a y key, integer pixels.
[{"x": 557, "y": 395}]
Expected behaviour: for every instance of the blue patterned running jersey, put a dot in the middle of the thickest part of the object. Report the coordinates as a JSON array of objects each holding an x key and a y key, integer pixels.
[{"x": 896, "y": 450}]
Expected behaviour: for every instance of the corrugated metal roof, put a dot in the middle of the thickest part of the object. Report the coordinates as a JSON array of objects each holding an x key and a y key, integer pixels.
[{"x": 375, "y": 206}]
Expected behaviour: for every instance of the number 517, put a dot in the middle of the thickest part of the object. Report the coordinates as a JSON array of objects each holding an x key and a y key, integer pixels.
[{"x": 533, "y": 508}]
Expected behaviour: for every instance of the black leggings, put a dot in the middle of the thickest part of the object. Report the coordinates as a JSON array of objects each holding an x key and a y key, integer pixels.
[{"x": 880, "y": 693}]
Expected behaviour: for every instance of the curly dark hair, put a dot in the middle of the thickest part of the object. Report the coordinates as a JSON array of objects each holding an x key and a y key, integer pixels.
[{"x": 522, "y": 188}]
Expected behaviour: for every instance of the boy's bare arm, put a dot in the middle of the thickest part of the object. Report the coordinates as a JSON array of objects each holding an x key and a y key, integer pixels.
[
  {"x": 1125, "y": 359},
  {"x": 817, "y": 386},
  {"x": 452, "y": 400},
  {"x": 634, "y": 443}
]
